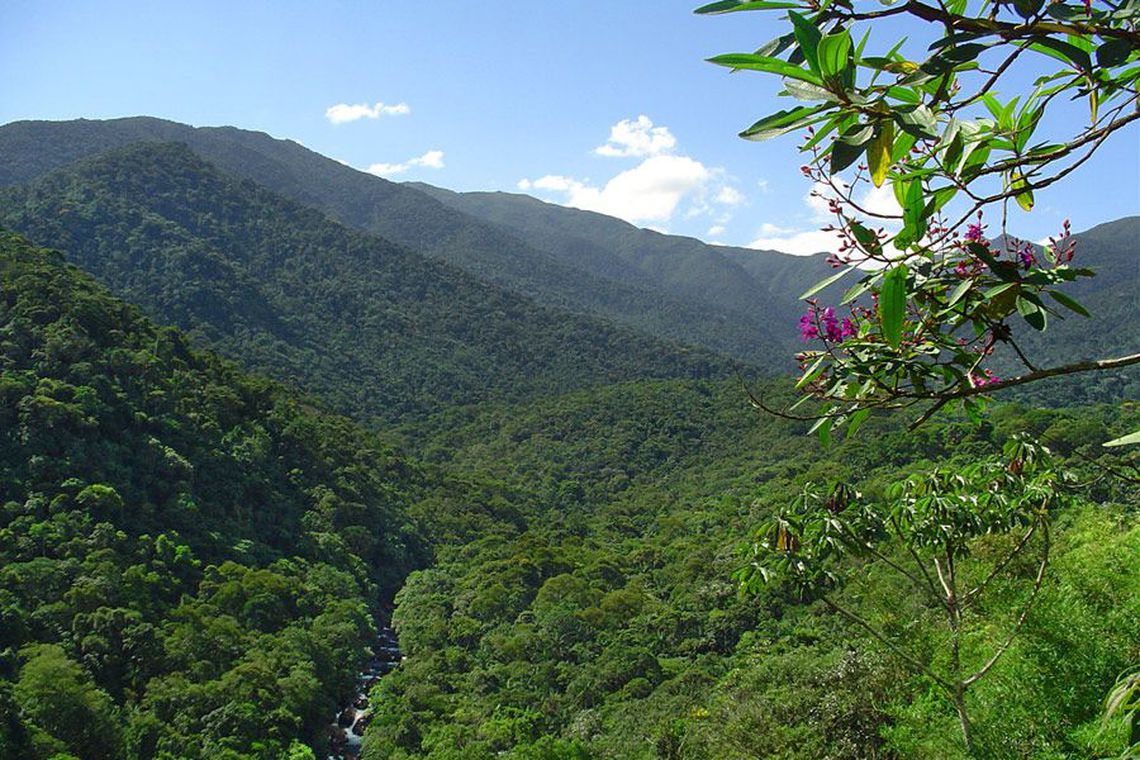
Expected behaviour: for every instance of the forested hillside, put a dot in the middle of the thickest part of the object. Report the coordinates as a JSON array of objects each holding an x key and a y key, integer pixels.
[
  {"x": 735, "y": 301},
  {"x": 379, "y": 331},
  {"x": 765, "y": 285},
  {"x": 756, "y": 287},
  {"x": 190, "y": 558},
  {"x": 404, "y": 215},
  {"x": 599, "y": 618},
  {"x": 193, "y": 560}
]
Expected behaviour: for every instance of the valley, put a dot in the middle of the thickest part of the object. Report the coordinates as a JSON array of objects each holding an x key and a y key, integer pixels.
[{"x": 256, "y": 402}]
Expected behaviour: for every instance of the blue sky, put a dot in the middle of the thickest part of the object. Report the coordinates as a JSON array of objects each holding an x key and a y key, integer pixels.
[{"x": 608, "y": 106}]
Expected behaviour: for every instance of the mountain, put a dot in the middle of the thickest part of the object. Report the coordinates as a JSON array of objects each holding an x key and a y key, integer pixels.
[
  {"x": 755, "y": 286},
  {"x": 765, "y": 284},
  {"x": 376, "y": 329},
  {"x": 736, "y": 301},
  {"x": 405, "y": 215},
  {"x": 189, "y": 556}
]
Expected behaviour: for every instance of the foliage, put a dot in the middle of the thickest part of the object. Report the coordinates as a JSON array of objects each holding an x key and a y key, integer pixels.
[
  {"x": 937, "y": 518},
  {"x": 188, "y": 555},
  {"x": 934, "y": 297},
  {"x": 376, "y": 330},
  {"x": 604, "y": 613}
]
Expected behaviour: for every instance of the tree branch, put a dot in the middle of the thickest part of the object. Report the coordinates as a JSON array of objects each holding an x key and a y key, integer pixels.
[
  {"x": 968, "y": 599},
  {"x": 1041, "y": 374},
  {"x": 900, "y": 653},
  {"x": 1024, "y": 613}
]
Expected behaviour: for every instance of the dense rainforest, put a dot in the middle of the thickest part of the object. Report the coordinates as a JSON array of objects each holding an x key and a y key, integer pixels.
[
  {"x": 380, "y": 331},
  {"x": 193, "y": 559},
  {"x": 190, "y": 557}
]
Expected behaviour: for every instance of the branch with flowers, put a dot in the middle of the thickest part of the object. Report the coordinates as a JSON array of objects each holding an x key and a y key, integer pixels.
[{"x": 932, "y": 292}]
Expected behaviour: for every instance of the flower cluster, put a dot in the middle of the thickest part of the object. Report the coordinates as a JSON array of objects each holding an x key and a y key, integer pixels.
[
  {"x": 1063, "y": 247},
  {"x": 823, "y": 323},
  {"x": 986, "y": 378}
]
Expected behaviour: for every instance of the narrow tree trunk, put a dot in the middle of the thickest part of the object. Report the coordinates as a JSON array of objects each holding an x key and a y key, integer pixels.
[
  {"x": 954, "y": 618},
  {"x": 963, "y": 718}
]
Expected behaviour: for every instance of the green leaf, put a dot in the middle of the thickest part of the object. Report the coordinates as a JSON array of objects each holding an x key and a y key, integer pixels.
[
  {"x": 944, "y": 195},
  {"x": 855, "y": 291},
  {"x": 834, "y": 51},
  {"x": 1031, "y": 313},
  {"x": 892, "y": 304},
  {"x": 1069, "y": 303},
  {"x": 959, "y": 292},
  {"x": 905, "y": 94},
  {"x": 823, "y": 427},
  {"x": 732, "y": 6},
  {"x": 843, "y": 154},
  {"x": 997, "y": 290},
  {"x": 856, "y": 420},
  {"x": 1025, "y": 197},
  {"x": 879, "y": 152},
  {"x": 994, "y": 106},
  {"x": 1027, "y": 9},
  {"x": 918, "y": 120},
  {"x": 1006, "y": 270},
  {"x": 824, "y": 283},
  {"x": 753, "y": 62},
  {"x": 915, "y": 215},
  {"x": 808, "y": 36},
  {"x": 968, "y": 52},
  {"x": 812, "y": 372},
  {"x": 807, "y": 91},
  {"x": 1062, "y": 51},
  {"x": 1113, "y": 53},
  {"x": 1125, "y": 440},
  {"x": 865, "y": 237},
  {"x": 782, "y": 122}
]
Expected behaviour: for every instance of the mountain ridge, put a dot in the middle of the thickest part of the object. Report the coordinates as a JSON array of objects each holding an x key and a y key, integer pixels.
[
  {"x": 378, "y": 330},
  {"x": 404, "y": 215}
]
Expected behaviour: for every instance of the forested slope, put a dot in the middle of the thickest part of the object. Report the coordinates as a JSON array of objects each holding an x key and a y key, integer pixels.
[
  {"x": 189, "y": 556},
  {"x": 381, "y": 332},
  {"x": 405, "y": 215},
  {"x": 599, "y": 618}
]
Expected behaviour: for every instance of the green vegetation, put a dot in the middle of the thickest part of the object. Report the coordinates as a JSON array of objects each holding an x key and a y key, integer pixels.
[
  {"x": 188, "y": 556},
  {"x": 191, "y": 558},
  {"x": 597, "y": 615},
  {"x": 937, "y": 300},
  {"x": 377, "y": 331},
  {"x": 940, "y": 132}
]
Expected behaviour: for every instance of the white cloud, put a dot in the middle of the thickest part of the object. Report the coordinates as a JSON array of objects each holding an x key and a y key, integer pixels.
[
  {"x": 729, "y": 196},
  {"x": 715, "y": 231},
  {"x": 810, "y": 240},
  {"x": 664, "y": 183},
  {"x": 433, "y": 159},
  {"x": 650, "y": 192},
  {"x": 637, "y": 138},
  {"x": 796, "y": 242},
  {"x": 881, "y": 200},
  {"x": 343, "y": 113}
]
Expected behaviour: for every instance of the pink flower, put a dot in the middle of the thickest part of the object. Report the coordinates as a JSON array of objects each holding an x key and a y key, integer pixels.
[
  {"x": 831, "y": 325},
  {"x": 808, "y": 329},
  {"x": 986, "y": 378}
]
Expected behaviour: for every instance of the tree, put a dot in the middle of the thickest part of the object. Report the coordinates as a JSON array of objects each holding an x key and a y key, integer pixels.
[
  {"x": 64, "y": 708},
  {"x": 925, "y": 534},
  {"x": 934, "y": 297}
]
